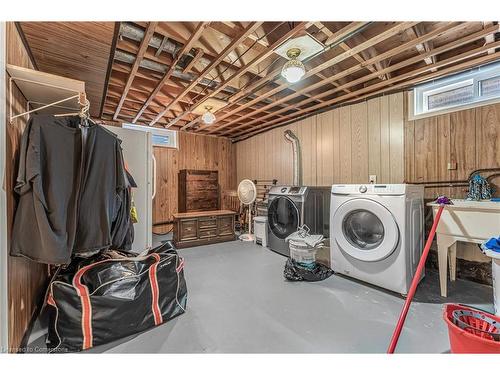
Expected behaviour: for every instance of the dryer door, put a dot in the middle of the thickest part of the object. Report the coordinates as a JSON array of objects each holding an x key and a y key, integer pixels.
[
  {"x": 365, "y": 230},
  {"x": 282, "y": 217}
]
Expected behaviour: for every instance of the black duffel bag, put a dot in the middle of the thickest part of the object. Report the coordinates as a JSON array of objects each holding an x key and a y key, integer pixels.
[{"x": 96, "y": 301}]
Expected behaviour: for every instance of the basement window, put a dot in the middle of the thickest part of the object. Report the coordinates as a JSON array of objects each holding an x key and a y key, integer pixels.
[
  {"x": 159, "y": 137},
  {"x": 490, "y": 86},
  {"x": 468, "y": 89}
]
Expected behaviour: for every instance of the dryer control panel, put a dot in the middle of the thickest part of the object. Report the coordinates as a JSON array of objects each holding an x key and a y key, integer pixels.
[{"x": 288, "y": 190}]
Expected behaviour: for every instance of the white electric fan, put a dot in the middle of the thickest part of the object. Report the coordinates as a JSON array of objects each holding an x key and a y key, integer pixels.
[{"x": 247, "y": 193}]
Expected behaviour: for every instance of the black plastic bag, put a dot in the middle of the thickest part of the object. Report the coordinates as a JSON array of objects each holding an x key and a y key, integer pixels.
[
  {"x": 295, "y": 272},
  {"x": 114, "y": 295}
]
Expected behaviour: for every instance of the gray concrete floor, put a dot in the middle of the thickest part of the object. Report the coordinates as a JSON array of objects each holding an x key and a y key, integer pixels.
[{"x": 239, "y": 302}]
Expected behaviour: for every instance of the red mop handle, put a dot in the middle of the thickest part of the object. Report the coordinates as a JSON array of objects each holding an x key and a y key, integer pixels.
[{"x": 414, "y": 283}]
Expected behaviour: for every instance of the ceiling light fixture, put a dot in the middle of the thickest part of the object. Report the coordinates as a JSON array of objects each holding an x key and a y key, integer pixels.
[
  {"x": 294, "y": 69},
  {"x": 208, "y": 117}
]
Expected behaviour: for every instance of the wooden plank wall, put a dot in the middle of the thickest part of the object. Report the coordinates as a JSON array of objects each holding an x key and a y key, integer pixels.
[
  {"x": 344, "y": 145},
  {"x": 26, "y": 279},
  {"x": 469, "y": 138},
  {"x": 195, "y": 152}
]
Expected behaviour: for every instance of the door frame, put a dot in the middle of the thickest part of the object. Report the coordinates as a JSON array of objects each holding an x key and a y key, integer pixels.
[{"x": 4, "y": 309}]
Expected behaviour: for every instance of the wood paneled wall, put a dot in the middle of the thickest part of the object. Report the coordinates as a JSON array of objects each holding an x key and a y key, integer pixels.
[
  {"x": 468, "y": 140},
  {"x": 194, "y": 152},
  {"x": 26, "y": 279},
  {"x": 344, "y": 145}
]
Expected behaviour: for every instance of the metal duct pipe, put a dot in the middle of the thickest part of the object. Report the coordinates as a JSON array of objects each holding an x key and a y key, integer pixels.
[
  {"x": 160, "y": 68},
  {"x": 129, "y": 58},
  {"x": 297, "y": 157},
  {"x": 133, "y": 32}
]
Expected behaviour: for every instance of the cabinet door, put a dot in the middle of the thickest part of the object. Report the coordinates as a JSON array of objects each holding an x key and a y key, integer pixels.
[
  {"x": 188, "y": 229},
  {"x": 207, "y": 222},
  {"x": 225, "y": 225}
]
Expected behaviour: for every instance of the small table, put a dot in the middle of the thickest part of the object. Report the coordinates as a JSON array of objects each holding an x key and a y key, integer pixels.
[
  {"x": 203, "y": 227},
  {"x": 466, "y": 221}
]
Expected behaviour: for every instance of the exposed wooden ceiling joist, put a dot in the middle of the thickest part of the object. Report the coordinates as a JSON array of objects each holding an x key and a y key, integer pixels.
[
  {"x": 259, "y": 58},
  {"x": 360, "y": 47},
  {"x": 229, "y": 48},
  {"x": 392, "y": 68},
  {"x": 381, "y": 87},
  {"x": 187, "y": 47},
  {"x": 140, "y": 54},
  {"x": 229, "y": 61}
]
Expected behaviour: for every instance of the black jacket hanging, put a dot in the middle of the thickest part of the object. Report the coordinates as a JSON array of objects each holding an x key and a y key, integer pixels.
[{"x": 73, "y": 191}]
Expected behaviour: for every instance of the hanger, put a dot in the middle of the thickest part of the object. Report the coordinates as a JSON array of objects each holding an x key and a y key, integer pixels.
[{"x": 83, "y": 113}]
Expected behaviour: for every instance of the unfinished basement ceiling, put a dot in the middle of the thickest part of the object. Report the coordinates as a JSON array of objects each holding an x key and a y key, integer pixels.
[
  {"x": 77, "y": 50},
  {"x": 162, "y": 71}
]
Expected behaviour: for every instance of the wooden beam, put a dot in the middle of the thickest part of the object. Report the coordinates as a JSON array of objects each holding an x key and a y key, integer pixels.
[
  {"x": 256, "y": 60},
  {"x": 348, "y": 29},
  {"x": 398, "y": 87},
  {"x": 334, "y": 37},
  {"x": 340, "y": 35},
  {"x": 162, "y": 44},
  {"x": 185, "y": 49},
  {"x": 417, "y": 31},
  {"x": 150, "y": 30},
  {"x": 370, "y": 42},
  {"x": 229, "y": 48},
  {"x": 489, "y": 38},
  {"x": 196, "y": 58},
  {"x": 398, "y": 66},
  {"x": 394, "y": 51},
  {"x": 384, "y": 85}
]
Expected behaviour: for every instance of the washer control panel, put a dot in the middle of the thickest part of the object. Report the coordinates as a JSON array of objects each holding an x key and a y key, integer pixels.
[{"x": 369, "y": 189}]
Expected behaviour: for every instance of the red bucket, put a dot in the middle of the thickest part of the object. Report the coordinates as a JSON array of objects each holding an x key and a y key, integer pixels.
[{"x": 464, "y": 341}]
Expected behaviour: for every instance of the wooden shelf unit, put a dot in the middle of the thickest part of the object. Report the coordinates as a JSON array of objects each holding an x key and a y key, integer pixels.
[
  {"x": 203, "y": 227},
  {"x": 47, "y": 93}
]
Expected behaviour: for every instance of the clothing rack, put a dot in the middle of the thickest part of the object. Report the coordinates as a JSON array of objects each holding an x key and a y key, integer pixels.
[{"x": 46, "y": 90}]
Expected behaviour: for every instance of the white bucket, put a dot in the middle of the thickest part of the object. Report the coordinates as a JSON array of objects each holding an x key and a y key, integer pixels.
[{"x": 302, "y": 253}]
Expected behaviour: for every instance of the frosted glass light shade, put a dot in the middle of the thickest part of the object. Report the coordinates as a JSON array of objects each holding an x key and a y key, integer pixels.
[
  {"x": 293, "y": 70},
  {"x": 208, "y": 117}
]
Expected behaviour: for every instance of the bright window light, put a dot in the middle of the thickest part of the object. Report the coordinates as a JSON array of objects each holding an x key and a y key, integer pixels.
[{"x": 462, "y": 90}]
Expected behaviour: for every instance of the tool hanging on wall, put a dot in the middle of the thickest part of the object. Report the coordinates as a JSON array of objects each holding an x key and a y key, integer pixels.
[{"x": 442, "y": 201}]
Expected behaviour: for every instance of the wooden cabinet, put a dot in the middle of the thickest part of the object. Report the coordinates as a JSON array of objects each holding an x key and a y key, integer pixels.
[
  {"x": 198, "y": 190},
  {"x": 203, "y": 227}
]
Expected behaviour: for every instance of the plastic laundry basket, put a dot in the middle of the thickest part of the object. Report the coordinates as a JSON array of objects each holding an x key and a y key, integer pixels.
[{"x": 462, "y": 341}]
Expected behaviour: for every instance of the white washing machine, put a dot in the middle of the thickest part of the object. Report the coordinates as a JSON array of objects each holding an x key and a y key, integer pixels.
[{"x": 377, "y": 233}]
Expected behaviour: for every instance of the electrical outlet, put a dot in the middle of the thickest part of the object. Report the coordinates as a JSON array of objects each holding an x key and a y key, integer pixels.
[
  {"x": 373, "y": 179},
  {"x": 452, "y": 166}
]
